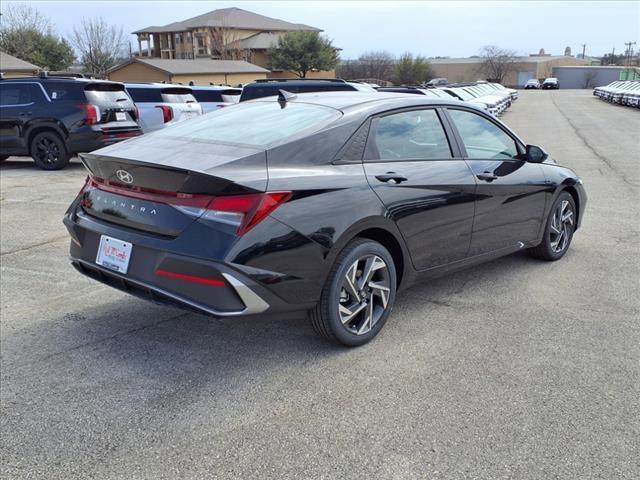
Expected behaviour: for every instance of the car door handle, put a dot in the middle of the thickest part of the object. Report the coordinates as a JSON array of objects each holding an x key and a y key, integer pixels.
[
  {"x": 487, "y": 176},
  {"x": 389, "y": 176}
]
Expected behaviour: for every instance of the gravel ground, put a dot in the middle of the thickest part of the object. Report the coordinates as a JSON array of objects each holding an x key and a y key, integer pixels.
[{"x": 515, "y": 369}]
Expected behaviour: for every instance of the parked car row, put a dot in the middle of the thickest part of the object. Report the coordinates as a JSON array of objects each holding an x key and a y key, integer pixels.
[
  {"x": 623, "y": 92},
  {"x": 491, "y": 97},
  {"x": 52, "y": 118}
]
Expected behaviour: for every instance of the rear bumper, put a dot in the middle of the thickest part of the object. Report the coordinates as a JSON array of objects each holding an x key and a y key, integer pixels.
[
  {"x": 196, "y": 280},
  {"x": 90, "y": 139},
  {"x": 252, "y": 303}
]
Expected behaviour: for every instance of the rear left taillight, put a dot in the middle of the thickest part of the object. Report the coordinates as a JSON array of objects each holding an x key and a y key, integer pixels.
[
  {"x": 92, "y": 113},
  {"x": 167, "y": 112},
  {"x": 240, "y": 211}
]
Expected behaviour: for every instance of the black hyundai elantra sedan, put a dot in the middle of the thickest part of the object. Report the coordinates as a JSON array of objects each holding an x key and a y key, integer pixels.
[{"x": 325, "y": 203}]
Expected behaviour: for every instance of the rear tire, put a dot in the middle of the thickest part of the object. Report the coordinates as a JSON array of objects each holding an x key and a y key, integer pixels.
[
  {"x": 358, "y": 295},
  {"x": 558, "y": 232},
  {"x": 49, "y": 151}
]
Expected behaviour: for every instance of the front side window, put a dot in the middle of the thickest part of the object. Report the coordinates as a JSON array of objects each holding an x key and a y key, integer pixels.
[
  {"x": 482, "y": 138},
  {"x": 412, "y": 135}
]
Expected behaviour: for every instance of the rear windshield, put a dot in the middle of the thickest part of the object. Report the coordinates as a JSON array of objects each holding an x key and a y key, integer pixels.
[
  {"x": 216, "y": 95},
  {"x": 260, "y": 90},
  {"x": 177, "y": 95},
  {"x": 256, "y": 124},
  {"x": 107, "y": 95},
  {"x": 161, "y": 95}
]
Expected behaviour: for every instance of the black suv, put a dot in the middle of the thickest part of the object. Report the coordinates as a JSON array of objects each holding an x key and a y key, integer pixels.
[
  {"x": 271, "y": 87},
  {"x": 52, "y": 118}
]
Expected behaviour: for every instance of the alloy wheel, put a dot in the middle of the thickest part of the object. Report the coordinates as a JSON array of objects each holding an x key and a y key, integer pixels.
[
  {"x": 364, "y": 295},
  {"x": 47, "y": 150},
  {"x": 561, "y": 227}
]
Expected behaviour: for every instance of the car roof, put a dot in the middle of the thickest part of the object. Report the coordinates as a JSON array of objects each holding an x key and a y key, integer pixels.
[
  {"x": 155, "y": 85},
  {"x": 373, "y": 101},
  {"x": 57, "y": 79},
  {"x": 211, "y": 87},
  {"x": 295, "y": 82}
]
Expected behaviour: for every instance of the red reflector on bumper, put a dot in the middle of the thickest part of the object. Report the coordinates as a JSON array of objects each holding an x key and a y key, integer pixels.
[{"x": 189, "y": 278}]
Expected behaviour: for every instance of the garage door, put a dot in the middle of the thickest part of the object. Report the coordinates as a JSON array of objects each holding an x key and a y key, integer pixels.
[{"x": 523, "y": 77}]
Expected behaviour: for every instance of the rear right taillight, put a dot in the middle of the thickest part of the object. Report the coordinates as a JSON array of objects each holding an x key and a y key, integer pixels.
[
  {"x": 167, "y": 112},
  {"x": 244, "y": 211},
  {"x": 135, "y": 107}
]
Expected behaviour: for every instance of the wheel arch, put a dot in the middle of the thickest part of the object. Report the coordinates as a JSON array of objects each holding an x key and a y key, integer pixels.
[
  {"x": 571, "y": 190},
  {"x": 47, "y": 127},
  {"x": 391, "y": 243}
]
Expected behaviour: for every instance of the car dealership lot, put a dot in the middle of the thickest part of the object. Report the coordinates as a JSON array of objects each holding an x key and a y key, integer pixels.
[{"x": 514, "y": 369}]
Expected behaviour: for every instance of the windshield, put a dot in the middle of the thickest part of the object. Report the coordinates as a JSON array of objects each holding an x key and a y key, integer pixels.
[
  {"x": 256, "y": 124},
  {"x": 463, "y": 94}
]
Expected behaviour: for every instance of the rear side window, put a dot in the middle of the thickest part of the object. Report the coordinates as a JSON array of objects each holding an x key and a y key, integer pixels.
[
  {"x": 19, "y": 94},
  {"x": 63, "y": 91},
  {"x": 256, "y": 124},
  {"x": 482, "y": 138},
  {"x": 107, "y": 95},
  {"x": 413, "y": 135},
  {"x": 145, "y": 95}
]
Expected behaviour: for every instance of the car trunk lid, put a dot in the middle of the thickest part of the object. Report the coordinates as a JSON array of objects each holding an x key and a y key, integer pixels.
[{"x": 161, "y": 185}]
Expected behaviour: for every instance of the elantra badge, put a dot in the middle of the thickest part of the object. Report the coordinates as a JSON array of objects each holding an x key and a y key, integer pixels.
[{"x": 124, "y": 176}]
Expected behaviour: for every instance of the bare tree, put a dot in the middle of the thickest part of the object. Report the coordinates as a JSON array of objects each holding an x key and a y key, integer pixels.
[
  {"x": 497, "y": 63},
  {"x": 24, "y": 17},
  {"x": 101, "y": 45},
  {"x": 377, "y": 65},
  {"x": 589, "y": 78},
  {"x": 225, "y": 44}
]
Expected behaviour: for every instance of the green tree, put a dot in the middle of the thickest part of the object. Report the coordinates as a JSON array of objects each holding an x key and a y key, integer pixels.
[
  {"x": 302, "y": 51},
  {"x": 28, "y": 35},
  {"x": 412, "y": 71}
]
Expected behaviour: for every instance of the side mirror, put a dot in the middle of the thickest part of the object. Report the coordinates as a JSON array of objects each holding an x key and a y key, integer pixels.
[{"x": 536, "y": 154}]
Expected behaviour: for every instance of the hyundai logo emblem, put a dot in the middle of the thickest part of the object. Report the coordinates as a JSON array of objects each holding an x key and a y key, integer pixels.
[{"x": 124, "y": 176}]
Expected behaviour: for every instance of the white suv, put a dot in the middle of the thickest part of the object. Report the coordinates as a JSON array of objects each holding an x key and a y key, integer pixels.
[{"x": 161, "y": 104}]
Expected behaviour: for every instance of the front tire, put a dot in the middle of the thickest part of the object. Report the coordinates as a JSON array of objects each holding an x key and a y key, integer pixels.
[
  {"x": 49, "y": 151},
  {"x": 358, "y": 295},
  {"x": 558, "y": 233}
]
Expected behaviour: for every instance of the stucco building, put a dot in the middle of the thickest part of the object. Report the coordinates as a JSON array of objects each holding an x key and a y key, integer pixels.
[
  {"x": 201, "y": 71},
  {"x": 228, "y": 33},
  {"x": 538, "y": 66}
]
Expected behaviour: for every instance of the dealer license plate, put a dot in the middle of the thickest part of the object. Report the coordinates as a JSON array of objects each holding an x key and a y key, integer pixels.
[{"x": 114, "y": 254}]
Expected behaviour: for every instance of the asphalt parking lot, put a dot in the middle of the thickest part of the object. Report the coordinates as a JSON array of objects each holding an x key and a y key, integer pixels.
[{"x": 515, "y": 369}]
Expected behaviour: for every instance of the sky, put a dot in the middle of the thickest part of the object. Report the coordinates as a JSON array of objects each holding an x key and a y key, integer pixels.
[{"x": 453, "y": 29}]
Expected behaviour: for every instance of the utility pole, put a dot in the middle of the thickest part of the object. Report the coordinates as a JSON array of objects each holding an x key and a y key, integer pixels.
[
  {"x": 629, "y": 45},
  {"x": 584, "y": 47}
]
